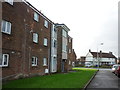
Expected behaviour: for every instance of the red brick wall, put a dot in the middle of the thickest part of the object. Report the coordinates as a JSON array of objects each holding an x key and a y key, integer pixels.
[{"x": 21, "y": 41}]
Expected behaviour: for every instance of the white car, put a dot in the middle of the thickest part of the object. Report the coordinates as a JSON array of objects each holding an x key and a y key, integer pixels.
[
  {"x": 114, "y": 67},
  {"x": 88, "y": 65}
]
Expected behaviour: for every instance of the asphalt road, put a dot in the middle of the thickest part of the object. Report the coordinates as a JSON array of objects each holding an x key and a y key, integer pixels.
[{"x": 104, "y": 79}]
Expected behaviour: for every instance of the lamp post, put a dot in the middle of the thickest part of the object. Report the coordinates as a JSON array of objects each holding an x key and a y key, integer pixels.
[{"x": 99, "y": 55}]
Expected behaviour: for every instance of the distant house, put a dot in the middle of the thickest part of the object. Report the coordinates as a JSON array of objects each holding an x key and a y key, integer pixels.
[
  {"x": 82, "y": 60},
  {"x": 118, "y": 60},
  {"x": 100, "y": 58},
  {"x": 71, "y": 54}
]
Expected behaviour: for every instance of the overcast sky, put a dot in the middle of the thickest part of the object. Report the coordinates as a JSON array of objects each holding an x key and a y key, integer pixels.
[{"x": 91, "y": 22}]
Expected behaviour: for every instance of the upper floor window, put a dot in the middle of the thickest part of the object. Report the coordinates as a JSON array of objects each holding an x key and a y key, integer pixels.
[
  {"x": 9, "y": 1},
  {"x": 69, "y": 50},
  {"x": 46, "y": 23},
  {"x": 35, "y": 37},
  {"x": 36, "y": 17},
  {"x": 44, "y": 61},
  {"x": 64, "y": 33},
  {"x": 6, "y": 27},
  {"x": 45, "y": 41},
  {"x": 64, "y": 47},
  {"x": 55, "y": 43},
  {"x": 4, "y": 60},
  {"x": 34, "y": 61},
  {"x": 69, "y": 62},
  {"x": 69, "y": 40}
]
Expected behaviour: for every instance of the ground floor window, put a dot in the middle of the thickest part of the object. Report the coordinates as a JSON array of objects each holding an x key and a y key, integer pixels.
[
  {"x": 4, "y": 60},
  {"x": 34, "y": 61},
  {"x": 44, "y": 61}
]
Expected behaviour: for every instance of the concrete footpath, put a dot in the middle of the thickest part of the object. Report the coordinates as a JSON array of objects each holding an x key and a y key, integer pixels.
[{"x": 104, "y": 79}]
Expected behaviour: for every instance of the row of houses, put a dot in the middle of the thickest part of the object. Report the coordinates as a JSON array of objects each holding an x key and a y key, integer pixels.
[
  {"x": 97, "y": 58},
  {"x": 32, "y": 44}
]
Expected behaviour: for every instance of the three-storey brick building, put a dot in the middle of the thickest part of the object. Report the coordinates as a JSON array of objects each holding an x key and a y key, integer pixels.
[{"x": 30, "y": 42}]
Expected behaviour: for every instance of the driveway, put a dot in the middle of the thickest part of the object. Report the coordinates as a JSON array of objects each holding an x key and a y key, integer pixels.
[{"x": 104, "y": 79}]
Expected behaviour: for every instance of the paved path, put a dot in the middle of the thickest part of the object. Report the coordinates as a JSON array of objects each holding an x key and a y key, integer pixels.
[{"x": 105, "y": 79}]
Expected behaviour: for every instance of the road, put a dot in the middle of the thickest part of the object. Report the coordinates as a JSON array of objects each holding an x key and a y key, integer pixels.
[{"x": 104, "y": 79}]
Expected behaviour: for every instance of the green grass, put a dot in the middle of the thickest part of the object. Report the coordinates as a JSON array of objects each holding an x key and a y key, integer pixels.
[{"x": 70, "y": 80}]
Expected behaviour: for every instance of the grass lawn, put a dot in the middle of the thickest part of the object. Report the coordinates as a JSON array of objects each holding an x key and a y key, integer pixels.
[{"x": 70, "y": 80}]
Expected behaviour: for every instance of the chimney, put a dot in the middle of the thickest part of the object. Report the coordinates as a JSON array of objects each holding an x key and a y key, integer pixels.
[
  {"x": 89, "y": 50},
  {"x": 100, "y": 55},
  {"x": 110, "y": 52},
  {"x": 100, "y": 51}
]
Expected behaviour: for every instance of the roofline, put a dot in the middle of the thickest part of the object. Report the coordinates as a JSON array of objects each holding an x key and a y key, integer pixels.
[
  {"x": 102, "y": 53},
  {"x": 70, "y": 36},
  {"x": 63, "y": 26},
  {"x": 36, "y": 10}
]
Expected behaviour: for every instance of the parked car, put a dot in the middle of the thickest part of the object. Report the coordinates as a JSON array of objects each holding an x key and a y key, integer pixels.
[
  {"x": 114, "y": 67},
  {"x": 88, "y": 65},
  {"x": 117, "y": 71}
]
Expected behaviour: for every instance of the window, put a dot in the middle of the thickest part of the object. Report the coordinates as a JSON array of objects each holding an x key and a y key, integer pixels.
[
  {"x": 44, "y": 61},
  {"x": 36, "y": 17},
  {"x": 6, "y": 27},
  {"x": 69, "y": 40},
  {"x": 69, "y": 62},
  {"x": 46, "y": 23},
  {"x": 64, "y": 33},
  {"x": 34, "y": 61},
  {"x": 9, "y": 1},
  {"x": 55, "y": 43},
  {"x": 35, "y": 37},
  {"x": 64, "y": 47},
  {"x": 69, "y": 50},
  {"x": 45, "y": 41},
  {"x": 4, "y": 60}
]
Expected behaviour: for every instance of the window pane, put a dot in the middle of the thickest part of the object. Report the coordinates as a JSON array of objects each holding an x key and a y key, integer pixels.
[
  {"x": 46, "y": 23},
  {"x": 36, "y": 17},
  {"x": 5, "y": 59},
  {"x": 33, "y": 61},
  {"x": 8, "y": 27},
  {"x": 55, "y": 43},
  {"x": 1, "y": 59},
  {"x": 36, "y": 60},
  {"x": 44, "y": 61},
  {"x": 35, "y": 37},
  {"x": 45, "y": 41},
  {"x": 3, "y": 26},
  {"x": 64, "y": 33}
]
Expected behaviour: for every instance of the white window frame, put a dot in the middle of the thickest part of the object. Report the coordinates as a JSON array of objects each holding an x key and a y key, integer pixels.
[
  {"x": 44, "y": 61},
  {"x": 46, "y": 23},
  {"x": 36, "y": 16},
  {"x": 9, "y": 1},
  {"x": 69, "y": 50},
  {"x": 64, "y": 47},
  {"x": 45, "y": 42},
  {"x": 69, "y": 62},
  {"x": 35, "y": 37},
  {"x": 35, "y": 61},
  {"x": 3, "y": 60},
  {"x": 64, "y": 33},
  {"x": 55, "y": 44},
  {"x": 69, "y": 40},
  {"x": 7, "y": 30}
]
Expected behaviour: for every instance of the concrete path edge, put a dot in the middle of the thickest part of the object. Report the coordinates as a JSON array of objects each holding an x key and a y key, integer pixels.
[{"x": 85, "y": 87}]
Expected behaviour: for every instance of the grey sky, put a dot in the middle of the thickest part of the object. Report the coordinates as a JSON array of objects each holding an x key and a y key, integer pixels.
[{"x": 90, "y": 21}]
